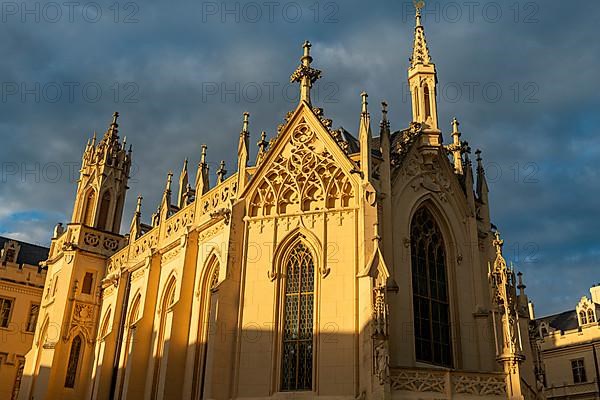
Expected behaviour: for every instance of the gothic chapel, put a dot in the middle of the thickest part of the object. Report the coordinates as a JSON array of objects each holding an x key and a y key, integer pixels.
[{"x": 333, "y": 267}]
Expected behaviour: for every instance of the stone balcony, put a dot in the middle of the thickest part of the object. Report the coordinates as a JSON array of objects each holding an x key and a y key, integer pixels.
[{"x": 85, "y": 238}]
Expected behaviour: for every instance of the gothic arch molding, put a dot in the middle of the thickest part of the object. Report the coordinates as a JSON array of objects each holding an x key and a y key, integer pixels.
[
  {"x": 436, "y": 210},
  {"x": 286, "y": 245}
]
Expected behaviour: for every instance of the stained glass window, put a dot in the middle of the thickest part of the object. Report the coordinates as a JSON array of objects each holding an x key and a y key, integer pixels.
[
  {"x": 73, "y": 362},
  {"x": 297, "y": 352},
  {"x": 431, "y": 308}
]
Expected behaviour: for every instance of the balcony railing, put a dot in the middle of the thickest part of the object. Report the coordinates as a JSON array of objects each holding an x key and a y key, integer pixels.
[
  {"x": 448, "y": 383},
  {"x": 577, "y": 389}
]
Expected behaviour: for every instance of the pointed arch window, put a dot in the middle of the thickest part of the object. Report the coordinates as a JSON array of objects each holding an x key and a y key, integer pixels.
[
  {"x": 427, "y": 100},
  {"x": 430, "y": 291},
  {"x": 297, "y": 347},
  {"x": 73, "y": 363},
  {"x": 104, "y": 208},
  {"x": 88, "y": 213}
]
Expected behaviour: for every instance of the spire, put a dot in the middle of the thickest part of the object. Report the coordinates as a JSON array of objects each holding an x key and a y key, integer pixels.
[
  {"x": 263, "y": 145},
  {"x": 221, "y": 172},
  {"x": 364, "y": 137},
  {"x": 183, "y": 185},
  {"x": 113, "y": 128},
  {"x": 305, "y": 74},
  {"x": 483, "y": 192},
  {"x": 384, "y": 131},
  {"x": 469, "y": 184},
  {"x": 202, "y": 183},
  {"x": 165, "y": 205},
  {"x": 422, "y": 80},
  {"x": 420, "y": 53},
  {"x": 243, "y": 153},
  {"x": 456, "y": 147},
  {"x": 385, "y": 179},
  {"x": 482, "y": 187},
  {"x": 136, "y": 221}
]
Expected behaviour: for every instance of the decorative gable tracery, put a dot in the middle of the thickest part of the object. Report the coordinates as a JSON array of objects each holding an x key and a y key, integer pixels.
[{"x": 304, "y": 177}]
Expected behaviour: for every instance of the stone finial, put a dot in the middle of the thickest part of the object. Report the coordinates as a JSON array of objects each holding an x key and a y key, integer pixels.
[
  {"x": 169, "y": 181},
  {"x": 203, "y": 155},
  {"x": 138, "y": 207},
  {"x": 305, "y": 74},
  {"x": 455, "y": 125},
  {"x": 221, "y": 172},
  {"x": 365, "y": 103},
  {"x": 498, "y": 243},
  {"x": 246, "y": 122}
]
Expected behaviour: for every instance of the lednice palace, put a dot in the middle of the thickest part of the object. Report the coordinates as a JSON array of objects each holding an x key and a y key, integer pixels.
[{"x": 334, "y": 267}]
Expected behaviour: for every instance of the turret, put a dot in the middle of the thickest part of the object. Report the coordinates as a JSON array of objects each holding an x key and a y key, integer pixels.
[
  {"x": 103, "y": 182},
  {"x": 422, "y": 80}
]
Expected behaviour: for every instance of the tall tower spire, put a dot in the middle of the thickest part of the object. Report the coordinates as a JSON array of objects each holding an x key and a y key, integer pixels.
[
  {"x": 422, "y": 77},
  {"x": 305, "y": 74},
  {"x": 103, "y": 182}
]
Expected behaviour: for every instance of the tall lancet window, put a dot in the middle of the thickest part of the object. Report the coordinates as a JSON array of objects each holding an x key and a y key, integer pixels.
[
  {"x": 297, "y": 350},
  {"x": 104, "y": 207},
  {"x": 430, "y": 291},
  {"x": 427, "y": 100},
  {"x": 73, "y": 362}
]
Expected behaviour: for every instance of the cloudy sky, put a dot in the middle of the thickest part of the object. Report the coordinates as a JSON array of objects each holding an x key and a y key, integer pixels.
[{"x": 521, "y": 76}]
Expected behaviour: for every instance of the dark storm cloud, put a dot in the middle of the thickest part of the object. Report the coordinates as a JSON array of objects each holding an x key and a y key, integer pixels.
[{"x": 519, "y": 76}]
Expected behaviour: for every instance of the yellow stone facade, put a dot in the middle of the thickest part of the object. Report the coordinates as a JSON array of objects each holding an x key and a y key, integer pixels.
[
  {"x": 334, "y": 267},
  {"x": 21, "y": 288},
  {"x": 569, "y": 344}
]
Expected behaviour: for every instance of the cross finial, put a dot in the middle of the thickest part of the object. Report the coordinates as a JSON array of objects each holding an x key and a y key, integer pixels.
[
  {"x": 305, "y": 74},
  {"x": 478, "y": 154},
  {"x": 306, "y": 59}
]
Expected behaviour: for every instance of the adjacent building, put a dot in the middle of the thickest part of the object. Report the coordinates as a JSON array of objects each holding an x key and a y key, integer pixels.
[
  {"x": 21, "y": 287},
  {"x": 569, "y": 345}
]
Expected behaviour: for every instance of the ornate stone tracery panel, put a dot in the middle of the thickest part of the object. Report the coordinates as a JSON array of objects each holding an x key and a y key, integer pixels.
[{"x": 304, "y": 177}]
